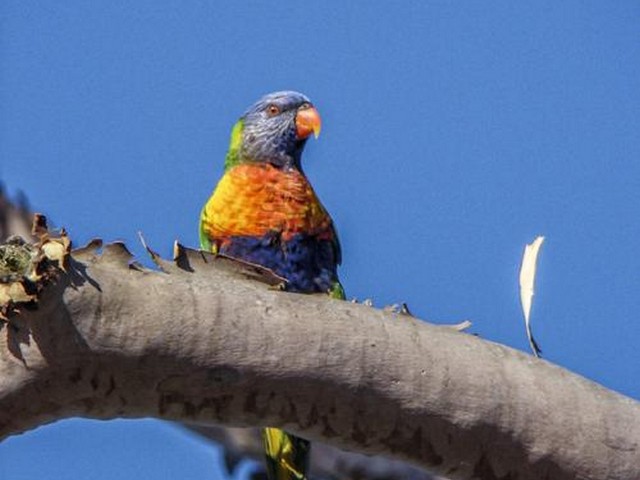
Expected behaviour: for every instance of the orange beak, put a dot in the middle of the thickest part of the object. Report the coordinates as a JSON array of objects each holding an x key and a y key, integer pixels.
[{"x": 308, "y": 122}]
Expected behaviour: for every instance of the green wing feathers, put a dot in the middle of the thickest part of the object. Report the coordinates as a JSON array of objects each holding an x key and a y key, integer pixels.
[
  {"x": 337, "y": 292},
  {"x": 205, "y": 242}
]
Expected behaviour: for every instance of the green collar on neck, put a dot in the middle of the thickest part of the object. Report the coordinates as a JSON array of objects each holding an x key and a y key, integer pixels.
[{"x": 233, "y": 154}]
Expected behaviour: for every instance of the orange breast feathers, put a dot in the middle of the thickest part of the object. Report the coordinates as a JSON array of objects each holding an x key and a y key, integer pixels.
[{"x": 255, "y": 199}]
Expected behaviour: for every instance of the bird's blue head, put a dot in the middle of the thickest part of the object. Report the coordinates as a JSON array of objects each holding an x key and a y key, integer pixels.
[{"x": 274, "y": 130}]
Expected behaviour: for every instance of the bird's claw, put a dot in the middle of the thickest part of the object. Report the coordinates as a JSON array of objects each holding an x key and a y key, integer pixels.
[
  {"x": 280, "y": 287},
  {"x": 399, "y": 308}
]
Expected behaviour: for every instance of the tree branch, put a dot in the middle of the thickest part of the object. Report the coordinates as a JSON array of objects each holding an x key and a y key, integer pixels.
[
  {"x": 239, "y": 443},
  {"x": 208, "y": 341}
]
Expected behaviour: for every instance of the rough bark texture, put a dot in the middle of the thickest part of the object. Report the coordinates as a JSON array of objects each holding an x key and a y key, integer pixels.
[{"x": 208, "y": 341}]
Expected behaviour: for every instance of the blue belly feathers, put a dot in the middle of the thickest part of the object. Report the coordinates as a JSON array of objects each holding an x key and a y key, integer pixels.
[{"x": 307, "y": 263}]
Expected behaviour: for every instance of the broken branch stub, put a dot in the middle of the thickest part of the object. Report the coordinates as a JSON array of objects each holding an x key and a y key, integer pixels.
[{"x": 26, "y": 268}]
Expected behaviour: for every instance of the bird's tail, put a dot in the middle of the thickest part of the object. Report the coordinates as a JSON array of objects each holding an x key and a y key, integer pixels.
[{"x": 287, "y": 455}]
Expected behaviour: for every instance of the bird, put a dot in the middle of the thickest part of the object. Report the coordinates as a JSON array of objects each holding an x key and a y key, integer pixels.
[{"x": 265, "y": 211}]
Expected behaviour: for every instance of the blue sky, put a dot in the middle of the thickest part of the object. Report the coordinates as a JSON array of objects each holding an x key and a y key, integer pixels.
[{"x": 454, "y": 132}]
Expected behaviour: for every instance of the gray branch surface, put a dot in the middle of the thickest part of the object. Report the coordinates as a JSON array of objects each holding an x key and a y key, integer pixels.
[{"x": 209, "y": 341}]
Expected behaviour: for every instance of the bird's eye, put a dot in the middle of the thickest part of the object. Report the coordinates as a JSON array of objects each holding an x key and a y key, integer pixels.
[{"x": 273, "y": 110}]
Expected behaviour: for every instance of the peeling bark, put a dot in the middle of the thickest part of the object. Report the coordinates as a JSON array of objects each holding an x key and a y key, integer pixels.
[{"x": 209, "y": 341}]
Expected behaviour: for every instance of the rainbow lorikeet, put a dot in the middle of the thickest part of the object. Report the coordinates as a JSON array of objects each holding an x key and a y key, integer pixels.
[{"x": 265, "y": 211}]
